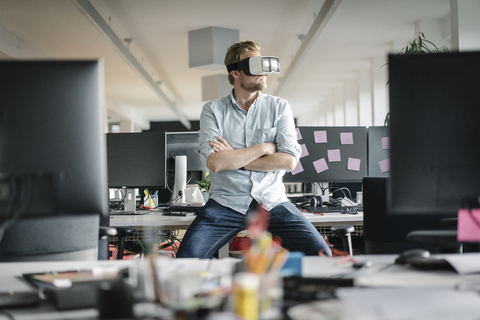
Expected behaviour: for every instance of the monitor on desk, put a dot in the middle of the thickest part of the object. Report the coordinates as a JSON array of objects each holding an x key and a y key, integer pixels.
[
  {"x": 183, "y": 164},
  {"x": 330, "y": 155},
  {"x": 136, "y": 160},
  {"x": 53, "y": 164},
  {"x": 435, "y": 132}
]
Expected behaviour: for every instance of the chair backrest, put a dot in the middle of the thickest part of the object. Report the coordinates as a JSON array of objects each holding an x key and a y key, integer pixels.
[
  {"x": 386, "y": 233},
  {"x": 53, "y": 238}
]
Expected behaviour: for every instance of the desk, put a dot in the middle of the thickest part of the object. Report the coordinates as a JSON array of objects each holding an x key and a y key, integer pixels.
[
  {"x": 11, "y": 273},
  {"x": 388, "y": 291},
  {"x": 157, "y": 220},
  {"x": 384, "y": 291}
]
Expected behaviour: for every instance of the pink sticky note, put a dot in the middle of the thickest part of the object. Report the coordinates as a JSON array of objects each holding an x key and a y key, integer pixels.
[
  {"x": 299, "y": 135},
  {"x": 385, "y": 143},
  {"x": 298, "y": 168},
  {"x": 334, "y": 155},
  {"x": 384, "y": 165},
  {"x": 353, "y": 164},
  {"x": 320, "y": 165},
  {"x": 320, "y": 136},
  {"x": 346, "y": 137},
  {"x": 468, "y": 227},
  {"x": 304, "y": 151}
]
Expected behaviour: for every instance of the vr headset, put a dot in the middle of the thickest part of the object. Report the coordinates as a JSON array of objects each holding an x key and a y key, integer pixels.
[{"x": 257, "y": 66}]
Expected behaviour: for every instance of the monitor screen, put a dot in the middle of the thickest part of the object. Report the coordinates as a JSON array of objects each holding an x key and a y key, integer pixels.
[
  {"x": 379, "y": 151},
  {"x": 136, "y": 160},
  {"x": 435, "y": 131},
  {"x": 330, "y": 154},
  {"x": 184, "y": 144},
  {"x": 52, "y": 144}
]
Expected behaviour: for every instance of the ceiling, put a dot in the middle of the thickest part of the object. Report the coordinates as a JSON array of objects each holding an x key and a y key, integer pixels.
[{"x": 351, "y": 33}]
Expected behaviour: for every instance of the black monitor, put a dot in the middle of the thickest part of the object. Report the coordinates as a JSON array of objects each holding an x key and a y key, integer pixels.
[
  {"x": 435, "y": 132},
  {"x": 52, "y": 154},
  {"x": 184, "y": 144},
  {"x": 136, "y": 160},
  {"x": 330, "y": 154}
]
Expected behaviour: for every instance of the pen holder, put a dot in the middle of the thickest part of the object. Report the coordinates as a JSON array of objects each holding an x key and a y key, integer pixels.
[{"x": 154, "y": 198}]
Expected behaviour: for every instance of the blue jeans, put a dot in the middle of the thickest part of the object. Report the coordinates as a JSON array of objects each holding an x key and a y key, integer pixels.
[{"x": 215, "y": 225}]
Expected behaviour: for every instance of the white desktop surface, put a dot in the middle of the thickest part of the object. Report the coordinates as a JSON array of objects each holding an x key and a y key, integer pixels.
[
  {"x": 156, "y": 219},
  {"x": 11, "y": 279},
  {"x": 383, "y": 291},
  {"x": 386, "y": 291}
]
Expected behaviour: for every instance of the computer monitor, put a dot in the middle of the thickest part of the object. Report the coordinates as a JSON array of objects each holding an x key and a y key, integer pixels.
[
  {"x": 52, "y": 154},
  {"x": 136, "y": 160},
  {"x": 435, "y": 132},
  {"x": 183, "y": 144},
  {"x": 330, "y": 154},
  {"x": 378, "y": 151}
]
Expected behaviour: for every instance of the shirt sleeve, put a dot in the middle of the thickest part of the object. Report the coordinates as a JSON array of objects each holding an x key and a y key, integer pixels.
[
  {"x": 208, "y": 130},
  {"x": 286, "y": 139}
]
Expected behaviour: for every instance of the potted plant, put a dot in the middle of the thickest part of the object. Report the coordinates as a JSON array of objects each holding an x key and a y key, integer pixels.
[
  {"x": 204, "y": 185},
  {"x": 418, "y": 46}
]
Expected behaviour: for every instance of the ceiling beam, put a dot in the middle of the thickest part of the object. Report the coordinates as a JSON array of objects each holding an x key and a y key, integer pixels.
[
  {"x": 87, "y": 9},
  {"x": 314, "y": 32}
]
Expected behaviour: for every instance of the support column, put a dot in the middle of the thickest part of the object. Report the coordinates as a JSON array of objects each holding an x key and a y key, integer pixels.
[
  {"x": 380, "y": 90},
  {"x": 351, "y": 103},
  {"x": 365, "y": 98},
  {"x": 329, "y": 110},
  {"x": 465, "y": 24},
  {"x": 339, "y": 107}
]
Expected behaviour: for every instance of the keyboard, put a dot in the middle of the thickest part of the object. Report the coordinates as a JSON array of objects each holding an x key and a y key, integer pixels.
[
  {"x": 179, "y": 210},
  {"x": 340, "y": 209},
  {"x": 136, "y": 212}
]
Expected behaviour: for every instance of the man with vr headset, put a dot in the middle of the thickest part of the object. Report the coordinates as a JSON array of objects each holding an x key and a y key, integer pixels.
[{"x": 248, "y": 140}]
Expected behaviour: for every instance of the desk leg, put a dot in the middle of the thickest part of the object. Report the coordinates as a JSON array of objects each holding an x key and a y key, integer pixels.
[{"x": 223, "y": 252}]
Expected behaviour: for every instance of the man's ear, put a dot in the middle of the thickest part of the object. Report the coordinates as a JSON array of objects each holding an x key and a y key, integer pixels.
[{"x": 235, "y": 73}]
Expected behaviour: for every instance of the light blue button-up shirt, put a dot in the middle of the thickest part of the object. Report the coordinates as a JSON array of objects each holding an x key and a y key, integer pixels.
[{"x": 269, "y": 119}]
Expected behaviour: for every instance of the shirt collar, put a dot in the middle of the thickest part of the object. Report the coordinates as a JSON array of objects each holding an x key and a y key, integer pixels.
[{"x": 232, "y": 98}]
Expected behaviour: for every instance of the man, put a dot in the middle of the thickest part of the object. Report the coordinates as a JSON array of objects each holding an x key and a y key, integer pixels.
[{"x": 248, "y": 140}]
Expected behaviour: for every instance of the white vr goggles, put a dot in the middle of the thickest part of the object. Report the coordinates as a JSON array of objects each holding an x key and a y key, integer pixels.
[{"x": 257, "y": 66}]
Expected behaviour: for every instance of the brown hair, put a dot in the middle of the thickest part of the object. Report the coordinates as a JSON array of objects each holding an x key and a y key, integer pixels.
[{"x": 236, "y": 52}]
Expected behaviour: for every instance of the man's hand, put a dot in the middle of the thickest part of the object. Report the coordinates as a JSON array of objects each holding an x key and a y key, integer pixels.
[
  {"x": 220, "y": 144},
  {"x": 270, "y": 148}
]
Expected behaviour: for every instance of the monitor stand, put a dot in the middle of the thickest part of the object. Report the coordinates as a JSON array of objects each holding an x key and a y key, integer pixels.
[
  {"x": 180, "y": 179},
  {"x": 130, "y": 202},
  {"x": 318, "y": 187}
]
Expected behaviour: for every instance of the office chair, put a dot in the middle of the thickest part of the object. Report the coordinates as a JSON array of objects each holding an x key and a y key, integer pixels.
[
  {"x": 122, "y": 233},
  {"x": 445, "y": 240},
  {"x": 385, "y": 233},
  {"x": 344, "y": 231},
  {"x": 53, "y": 238}
]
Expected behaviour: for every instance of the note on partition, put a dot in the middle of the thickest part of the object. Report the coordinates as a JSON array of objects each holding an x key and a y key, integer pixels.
[
  {"x": 320, "y": 165},
  {"x": 334, "y": 155},
  {"x": 299, "y": 135},
  {"x": 320, "y": 136},
  {"x": 304, "y": 151},
  {"x": 385, "y": 143},
  {"x": 384, "y": 165},
  {"x": 298, "y": 168},
  {"x": 346, "y": 137},
  {"x": 353, "y": 164}
]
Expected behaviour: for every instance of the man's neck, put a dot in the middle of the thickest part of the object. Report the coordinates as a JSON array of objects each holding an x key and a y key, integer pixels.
[{"x": 244, "y": 98}]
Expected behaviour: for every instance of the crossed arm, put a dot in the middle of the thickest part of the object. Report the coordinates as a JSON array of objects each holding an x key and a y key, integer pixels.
[{"x": 260, "y": 157}]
